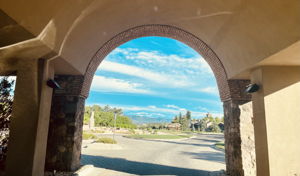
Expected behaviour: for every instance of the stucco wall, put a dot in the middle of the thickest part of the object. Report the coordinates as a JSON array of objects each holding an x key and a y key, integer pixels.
[
  {"x": 282, "y": 108},
  {"x": 276, "y": 117}
]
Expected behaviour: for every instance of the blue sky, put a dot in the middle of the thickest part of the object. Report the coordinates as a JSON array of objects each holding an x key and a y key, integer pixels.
[{"x": 156, "y": 77}]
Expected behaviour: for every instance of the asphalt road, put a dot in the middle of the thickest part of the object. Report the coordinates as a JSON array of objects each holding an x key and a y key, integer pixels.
[{"x": 193, "y": 156}]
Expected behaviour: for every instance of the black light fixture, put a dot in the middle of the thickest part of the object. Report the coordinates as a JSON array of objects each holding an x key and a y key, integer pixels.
[
  {"x": 251, "y": 88},
  {"x": 53, "y": 84}
]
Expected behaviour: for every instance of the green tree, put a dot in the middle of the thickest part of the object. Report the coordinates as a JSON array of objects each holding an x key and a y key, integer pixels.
[
  {"x": 175, "y": 120},
  {"x": 188, "y": 115},
  {"x": 96, "y": 108},
  {"x": 107, "y": 108},
  {"x": 184, "y": 123},
  {"x": 6, "y": 101},
  {"x": 180, "y": 118},
  {"x": 188, "y": 119},
  {"x": 87, "y": 114},
  {"x": 118, "y": 111},
  {"x": 202, "y": 125},
  {"x": 214, "y": 128},
  {"x": 105, "y": 117},
  {"x": 217, "y": 120}
]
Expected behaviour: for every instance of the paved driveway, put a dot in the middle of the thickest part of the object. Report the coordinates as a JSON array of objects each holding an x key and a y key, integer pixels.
[{"x": 193, "y": 156}]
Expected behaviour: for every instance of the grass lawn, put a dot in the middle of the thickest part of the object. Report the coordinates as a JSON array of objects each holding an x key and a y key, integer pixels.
[
  {"x": 220, "y": 145},
  {"x": 156, "y": 136}
]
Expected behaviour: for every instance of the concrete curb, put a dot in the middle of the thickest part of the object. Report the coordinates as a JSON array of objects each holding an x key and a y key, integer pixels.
[{"x": 84, "y": 170}]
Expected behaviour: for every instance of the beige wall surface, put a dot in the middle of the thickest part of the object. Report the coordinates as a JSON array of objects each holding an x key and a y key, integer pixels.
[
  {"x": 282, "y": 107},
  {"x": 277, "y": 114},
  {"x": 241, "y": 32}
]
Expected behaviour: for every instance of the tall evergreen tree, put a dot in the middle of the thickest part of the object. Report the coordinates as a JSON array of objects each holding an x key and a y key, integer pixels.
[
  {"x": 180, "y": 119},
  {"x": 188, "y": 115},
  {"x": 175, "y": 120},
  {"x": 188, "y": 119}
]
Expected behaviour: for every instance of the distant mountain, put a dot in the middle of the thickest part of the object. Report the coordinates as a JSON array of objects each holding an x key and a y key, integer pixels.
[{"x": 144, "y": 119}]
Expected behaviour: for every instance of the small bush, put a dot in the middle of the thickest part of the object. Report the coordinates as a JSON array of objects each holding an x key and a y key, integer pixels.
[
  {"x": 106, "y": 140},
  {"x": 86, "y": 136}
]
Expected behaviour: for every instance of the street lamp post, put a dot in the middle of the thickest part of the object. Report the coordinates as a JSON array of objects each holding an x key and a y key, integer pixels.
[{"x": 115, "y": 119}]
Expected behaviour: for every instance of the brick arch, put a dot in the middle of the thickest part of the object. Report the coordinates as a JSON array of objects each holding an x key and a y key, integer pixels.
[{"x": 163, "y": 31}]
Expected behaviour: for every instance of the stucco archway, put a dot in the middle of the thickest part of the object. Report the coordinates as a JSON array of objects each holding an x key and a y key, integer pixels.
[{"x": 76, "y": 89}]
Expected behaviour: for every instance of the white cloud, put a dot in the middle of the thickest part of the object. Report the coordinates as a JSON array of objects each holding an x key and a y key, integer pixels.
[
  {"x": 210, "y": 90},
  {"x": 147, "y": 114},
  {"x": 154, "y": 57},
  {"x": 172, "y": 106},
  {"x": 164, "y": 70},
  {"x": 195, "y": 114},
  {"x": 160, "y": 78},
  {"x": 151, "y": 109},
  {"x": 104, "y": 84}
]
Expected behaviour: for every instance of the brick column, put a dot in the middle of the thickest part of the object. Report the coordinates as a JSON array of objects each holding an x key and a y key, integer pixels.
[
  {"x": 66, "y": 120},
  {"x": 238, "y": 133}
]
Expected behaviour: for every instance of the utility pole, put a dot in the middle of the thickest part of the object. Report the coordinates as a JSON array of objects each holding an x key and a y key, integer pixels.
[
  {"x": 115, "y": 119},
  {"x": 92, "y": 121}
]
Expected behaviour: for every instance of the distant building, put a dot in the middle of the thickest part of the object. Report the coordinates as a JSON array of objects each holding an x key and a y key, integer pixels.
[{"x": 174, "y": 126}]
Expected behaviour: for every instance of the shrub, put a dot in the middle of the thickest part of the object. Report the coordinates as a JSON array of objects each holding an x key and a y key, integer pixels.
[
  {"x": 106, "y": 140},
  {"x": 214, "y": 128}
]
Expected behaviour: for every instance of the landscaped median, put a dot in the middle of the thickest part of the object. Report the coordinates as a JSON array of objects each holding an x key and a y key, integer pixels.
[
  {"x": 105, "y": 140},
  {"x": 158, "y": 136}
]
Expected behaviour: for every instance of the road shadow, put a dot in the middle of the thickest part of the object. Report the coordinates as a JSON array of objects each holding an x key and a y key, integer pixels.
[
  {"x": 209, "y": 156},
  {"x": 207, "y": 140},
  {"x": 141, "y": 168},
  {"x": 185, "y": 142}
]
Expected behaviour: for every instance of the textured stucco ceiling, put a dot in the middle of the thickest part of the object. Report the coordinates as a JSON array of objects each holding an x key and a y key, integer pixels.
[{"x": 242, "y": 33}]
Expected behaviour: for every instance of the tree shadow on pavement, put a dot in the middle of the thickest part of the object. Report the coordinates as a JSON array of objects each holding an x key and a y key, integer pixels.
[{"x": 141, "y": 168}]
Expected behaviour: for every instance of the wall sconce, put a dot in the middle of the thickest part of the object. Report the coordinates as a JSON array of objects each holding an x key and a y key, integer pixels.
[
  {"x": 251, "y": 88},
  {"x": 53, "y": 84}
]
